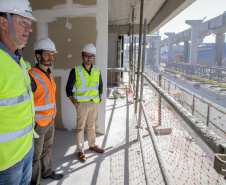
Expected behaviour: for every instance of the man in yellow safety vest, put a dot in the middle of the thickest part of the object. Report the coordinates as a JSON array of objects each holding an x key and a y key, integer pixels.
[
  {"x": 84, "y": 88},
  {"x": 16, "y": 98}
]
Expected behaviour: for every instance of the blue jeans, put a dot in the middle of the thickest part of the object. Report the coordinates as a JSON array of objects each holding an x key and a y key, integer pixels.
[{"x": 19, "y": 173}]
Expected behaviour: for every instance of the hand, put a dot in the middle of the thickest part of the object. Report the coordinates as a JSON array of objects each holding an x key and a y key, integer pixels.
[{"x": 76, "y": 104}]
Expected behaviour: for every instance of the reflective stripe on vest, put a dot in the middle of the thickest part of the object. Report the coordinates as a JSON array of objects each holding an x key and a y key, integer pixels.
[
  {"x": 84, "y": 88},
  {"x": 85, "y": 97},
  {"x": 26, "y": 63},
  {"x": 16, "y": 105},
  {"x": 45, "y": 107},
  {"x": 96, "y": 87},
  {"x": 81, "y": 89},
  {"x": 15, "y": 100},
  {"x": 46, "y": 95},
  {"x": 40, "y": 116},
  {"x": 15, "y": 134}
]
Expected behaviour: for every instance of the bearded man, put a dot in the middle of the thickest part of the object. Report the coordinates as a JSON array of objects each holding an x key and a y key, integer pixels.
[{"x": 44, "y": 90}]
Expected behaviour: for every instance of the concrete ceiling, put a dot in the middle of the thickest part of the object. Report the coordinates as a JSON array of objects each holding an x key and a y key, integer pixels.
[
  {"x": 157, "y": 12},
  {"x": 120, "y": 11}
]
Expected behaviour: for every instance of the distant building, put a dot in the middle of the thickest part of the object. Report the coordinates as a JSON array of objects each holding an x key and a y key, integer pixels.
[{"x": 205, "y": 54}]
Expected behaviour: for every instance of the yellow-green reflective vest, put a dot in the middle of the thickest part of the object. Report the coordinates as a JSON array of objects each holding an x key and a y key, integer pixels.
[
  {"x": 16, "y": 111},
  {"x": 86, "y": 86},
  {"x": 28, "y": 65}
]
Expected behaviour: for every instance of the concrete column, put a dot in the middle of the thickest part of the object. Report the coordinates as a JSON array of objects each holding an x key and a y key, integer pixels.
[
  {"x": 102, "y": 52},
  {"x": 149, "y": 54},
  {"x": 170, "y": 46},
  {"x": 119, "y": 58},
  {"x": 157, "y": 52},
  {"x": 186, "y": 47},
  {"x": 119, "y": 53},
  {"x": 195, "y": 25},
  {"x": 219, "y": 49},
  {"x": 42, "y": 30}
]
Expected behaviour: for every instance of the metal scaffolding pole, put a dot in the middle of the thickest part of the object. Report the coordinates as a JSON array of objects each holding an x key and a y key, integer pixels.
[
  {"x": 132, "y": 59},
  {"x": 130, "y": 62},
  {"x": 139, "y": 54},
  {"x": 142, "y": 70},
  {"x": 134, "y": 68}
]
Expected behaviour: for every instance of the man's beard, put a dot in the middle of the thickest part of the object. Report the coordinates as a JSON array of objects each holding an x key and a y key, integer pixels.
[
  {"x": 88, "y": 62},
  {"x": 44, "y": 62}
]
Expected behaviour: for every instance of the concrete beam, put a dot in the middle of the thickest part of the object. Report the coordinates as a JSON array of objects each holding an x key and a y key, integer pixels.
[
  {"x": 167, "y": 12},
  {"x": 214, "y": 26}
]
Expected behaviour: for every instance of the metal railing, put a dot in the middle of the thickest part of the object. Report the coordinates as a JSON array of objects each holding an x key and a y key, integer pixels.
[
  {"x": 211, "y": 115},
  {"x": 211, "y": 139}
]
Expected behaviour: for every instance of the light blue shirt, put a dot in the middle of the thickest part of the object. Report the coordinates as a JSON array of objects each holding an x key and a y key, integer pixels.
[{"x": 16, "y": 57}]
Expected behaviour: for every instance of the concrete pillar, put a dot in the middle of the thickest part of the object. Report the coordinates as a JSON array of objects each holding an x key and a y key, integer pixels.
[
  {"x": 157, "y": 52},
  {"x": 119, "y": 58},
  {"x": 201, "y": 40},
  {"x": 195, "y": 25},
  {"x": 150, "y": 56},
  {"x": 170, "y": 46},
  {"x": 186, "y": 47},
  {"x": 219, "y": 49},
  {"x": 119, "y": 53},
  {"x": 42, "y": 30}
]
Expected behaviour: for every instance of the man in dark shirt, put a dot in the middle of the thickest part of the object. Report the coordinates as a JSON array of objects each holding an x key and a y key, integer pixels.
[
  {"x": 44, "y": 89},
  {"x": 84, "y": 88}
]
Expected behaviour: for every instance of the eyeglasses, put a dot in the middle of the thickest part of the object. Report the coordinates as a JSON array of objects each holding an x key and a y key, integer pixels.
[
  {"x": 88, "y": 57},
  {"x": 23, "y": 22}
]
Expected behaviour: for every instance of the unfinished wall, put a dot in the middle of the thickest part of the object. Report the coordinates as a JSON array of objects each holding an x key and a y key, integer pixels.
[
  {"x": 71, "y": 24},
  {"x": 69, "y": 42}
]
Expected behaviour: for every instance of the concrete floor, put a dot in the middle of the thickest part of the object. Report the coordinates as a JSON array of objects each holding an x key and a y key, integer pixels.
[
  {"x": 121, "y": 164},
  {"x": 111, "y": 167}
]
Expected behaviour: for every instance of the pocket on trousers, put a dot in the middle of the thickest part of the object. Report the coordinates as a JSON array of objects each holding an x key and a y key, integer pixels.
[{"x": 79, "y": 105}]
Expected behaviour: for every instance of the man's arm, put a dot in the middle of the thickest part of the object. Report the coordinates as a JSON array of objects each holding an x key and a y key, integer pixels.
[
  {"x": 33, "y": 84},
  {"x": 100, "y": 87},
  {"x": 69, "y": 87}
]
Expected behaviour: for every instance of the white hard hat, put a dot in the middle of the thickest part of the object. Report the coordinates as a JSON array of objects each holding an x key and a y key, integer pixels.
[
  {"x": 89, "y": 48},
  {"x": 19, "y": 7},
  {"x": 45, "y": 44},
  {"x": 21, "y": 46}
]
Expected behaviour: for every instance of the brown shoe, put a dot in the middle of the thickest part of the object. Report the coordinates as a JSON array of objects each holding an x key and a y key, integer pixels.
[
  {"x": 81, "y": 156},
  {"x": 97, "y": 149}
]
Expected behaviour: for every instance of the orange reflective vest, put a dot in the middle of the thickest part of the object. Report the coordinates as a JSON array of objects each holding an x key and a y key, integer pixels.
[{"x": 44, "y": 97}]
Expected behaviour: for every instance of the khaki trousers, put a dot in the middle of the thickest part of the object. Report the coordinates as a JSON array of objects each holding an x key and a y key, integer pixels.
[
  {"x": 42, "y": 152},
  {"x": 86, "y": 114}
]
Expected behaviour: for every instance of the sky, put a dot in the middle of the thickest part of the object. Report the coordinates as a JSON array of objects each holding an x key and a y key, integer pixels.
[{"x": 196, "y": 11}]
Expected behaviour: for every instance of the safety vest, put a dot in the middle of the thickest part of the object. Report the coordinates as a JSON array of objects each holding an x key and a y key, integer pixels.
[
  {"x": 28, "y": 65},
  {"x": 86, "y": 86},
  {"x": 16, "y": 111},
  {"x": 44, "y": 97}
]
